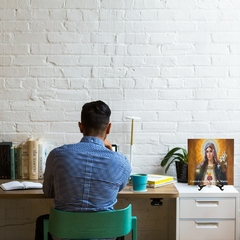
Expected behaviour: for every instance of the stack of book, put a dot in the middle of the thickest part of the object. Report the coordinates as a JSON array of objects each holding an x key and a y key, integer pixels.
[
  {"x": 24, "y": 161},
  {"x": 156, "y": 180}
]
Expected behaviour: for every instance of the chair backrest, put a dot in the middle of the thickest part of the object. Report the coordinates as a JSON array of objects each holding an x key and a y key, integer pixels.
[{"x": 87, "y": 225}]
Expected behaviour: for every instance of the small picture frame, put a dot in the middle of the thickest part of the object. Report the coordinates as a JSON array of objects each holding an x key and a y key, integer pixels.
[
  {"x": 114, "y": 147},
  {"x": 210, "y": 162}
]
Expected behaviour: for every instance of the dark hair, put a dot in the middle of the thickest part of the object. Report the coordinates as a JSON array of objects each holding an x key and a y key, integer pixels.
[{"x": 95, "y": 117}]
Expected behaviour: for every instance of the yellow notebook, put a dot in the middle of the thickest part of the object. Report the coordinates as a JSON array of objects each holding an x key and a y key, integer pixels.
[{"x": 156, "y": 179}]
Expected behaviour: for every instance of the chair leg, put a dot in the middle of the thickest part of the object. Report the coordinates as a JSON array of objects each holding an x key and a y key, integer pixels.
[
  {"x": 134, "y": 228},
  {"x": 120, "y": 238}
]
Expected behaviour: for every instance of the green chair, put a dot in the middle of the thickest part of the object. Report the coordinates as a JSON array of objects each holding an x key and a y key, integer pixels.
[{"x": 90, "y": 225}]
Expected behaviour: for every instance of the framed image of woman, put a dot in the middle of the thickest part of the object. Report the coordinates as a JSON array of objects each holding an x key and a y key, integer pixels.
[{"x": 210, "y": 162}]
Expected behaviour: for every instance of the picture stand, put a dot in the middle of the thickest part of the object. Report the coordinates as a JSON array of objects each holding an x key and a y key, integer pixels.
[{"x": 218, "y": 185}]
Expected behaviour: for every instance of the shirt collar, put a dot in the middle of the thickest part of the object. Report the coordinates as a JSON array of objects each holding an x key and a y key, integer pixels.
[{"x": 92, "y": 140}]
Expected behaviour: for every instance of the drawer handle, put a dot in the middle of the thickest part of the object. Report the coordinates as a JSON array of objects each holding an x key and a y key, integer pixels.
[
  {"x": 207, "y": 202},
  {"x": 206, "y": 224}
]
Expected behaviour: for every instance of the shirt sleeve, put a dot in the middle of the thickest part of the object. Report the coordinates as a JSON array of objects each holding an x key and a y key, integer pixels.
[
  {"x": 126, "y": 174},
  {"x": 48, "y": 187}
]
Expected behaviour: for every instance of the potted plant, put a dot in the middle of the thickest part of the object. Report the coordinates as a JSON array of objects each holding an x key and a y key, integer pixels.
[{"x": 178, "y": 155}]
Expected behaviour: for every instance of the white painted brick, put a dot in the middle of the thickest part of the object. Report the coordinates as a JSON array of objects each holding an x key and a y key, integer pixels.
[
  {"x": 47, "y": 116},
  {"x": 29, "y": 61},
  {"x": 47, "y": 4},
  {"x": 105, "y": 38},
  {"x": 47, "y": 49},
  {"x": 14, "y": 49},
  {"x": 44, "y": 83},
  {"x": 27, "y": 105},
  {"x": 34, "y": 37},
  {"x": 105, "y": 95},
  {"x": 201, "y": 37},
  {"x": 32, "y": 127},
  {"x": 63, "y": 37},
  {"x": 210, "y": 94},
  {"x": 170, "y": 116},
  {"x": 116, "y": 4},
  {"x": 179, "y": 94},
  {"x": 72, "y": 94},
  {"x": 63, "y": 60},
  {"x": 5, "y": 38},
  {"x": 13, "y": 83},
  {"x": 79, "y": 49},
  {"x": 159, "y": 127},
  {"x": 191, "y": 60},
  {"x": 5, "y": 61},
  {"x": 160, "y": 38},
  {"x": 5, "y": 4},
  {"x": 94, "y": 84},
  {"x": 45, "y": 72},
  {"x": 181, "y": 4},
  {"x": 141, "y": 94},
  {"x": 64, "y": 127},
  {"x": 14, "y": 116},
  {"x": 4, "y": 106},
  {"x": 7, "y": 14},
  {"x": 61, "y": 105},
  {"x": 14, "y": 94},
  {"x": 77, "y": 83},
  {"x": 234, "y": 48},
  {"x": 234, "y": 72},
  {"x": 192, "y": 105},
  {"x": 177, "y": 71},
  {"x": 58, "y": 14},
  {"x": 87, "y": 26},
  {"x": 13, "y": 71},
  {"x": 225, "y": 37},
  {"x": 222, "y": 60},
  {"x": 48, "y": 26},
  {"x": 199, "y": 127},
  {"x": 159, "y": 105},
  {"x": 75, "y": 72},
  {"x": 40, "y": 14},
  {"x": 81, "y": 4},
  {"x": 177, "y": 49},
  {"x": 210, "y": 48},
  {"x": 211, "y": 72},
  {"x": 61, "y": 84}
]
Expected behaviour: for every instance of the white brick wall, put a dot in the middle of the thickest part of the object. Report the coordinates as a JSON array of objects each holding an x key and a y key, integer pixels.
[{"x": 173, "y": 63}]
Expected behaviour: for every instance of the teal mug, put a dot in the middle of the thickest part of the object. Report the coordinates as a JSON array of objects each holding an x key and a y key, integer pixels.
[{"x": 139, "y": 182}]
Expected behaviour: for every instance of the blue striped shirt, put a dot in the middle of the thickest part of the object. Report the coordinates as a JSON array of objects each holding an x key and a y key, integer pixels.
[{"x": 85, "y": 176}]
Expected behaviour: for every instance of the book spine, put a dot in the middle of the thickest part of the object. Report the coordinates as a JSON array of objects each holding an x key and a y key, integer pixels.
[
  {"x": 5, "y": 160},
  {"x": 19, "y": 162},
  {"x": 24, "y": 161},
  {"x": 33, "y": 159},
  {"x": 13, "y": 176},
  {"x": 41, "y": 160}
]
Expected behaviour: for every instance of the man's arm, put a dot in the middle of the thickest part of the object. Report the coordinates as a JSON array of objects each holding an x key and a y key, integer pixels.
[{"x": 126, "y": 174}]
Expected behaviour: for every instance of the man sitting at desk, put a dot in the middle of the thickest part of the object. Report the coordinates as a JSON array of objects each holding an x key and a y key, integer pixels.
[{"x": 85, "y": 176}]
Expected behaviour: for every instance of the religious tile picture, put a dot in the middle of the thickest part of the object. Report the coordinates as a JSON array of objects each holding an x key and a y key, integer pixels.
[{"x": 210, "y": 161}]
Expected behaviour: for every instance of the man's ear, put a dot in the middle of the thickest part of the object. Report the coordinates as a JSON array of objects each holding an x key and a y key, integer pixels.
[
  {"x": 80, "y": 127},
  {"x": 108, "y": 128}
]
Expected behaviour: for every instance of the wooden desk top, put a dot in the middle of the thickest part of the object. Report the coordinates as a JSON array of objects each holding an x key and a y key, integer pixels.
[{"x": 168, "y": 191}]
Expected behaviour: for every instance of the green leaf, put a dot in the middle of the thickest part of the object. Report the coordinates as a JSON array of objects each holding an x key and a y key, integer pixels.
[{"x": 176, "y": 154}]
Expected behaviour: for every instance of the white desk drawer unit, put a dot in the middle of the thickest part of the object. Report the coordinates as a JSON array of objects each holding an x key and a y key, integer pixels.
[{"x": 209, "y": 214}]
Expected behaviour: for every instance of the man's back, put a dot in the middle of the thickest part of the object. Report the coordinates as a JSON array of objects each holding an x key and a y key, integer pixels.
[{"x": 85, "y": 176}]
